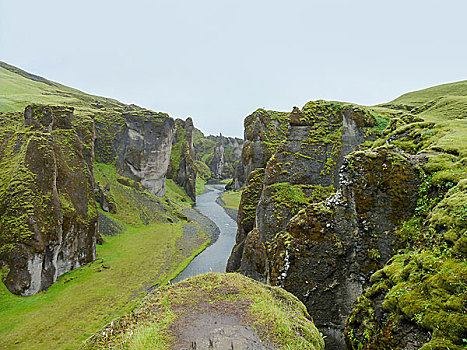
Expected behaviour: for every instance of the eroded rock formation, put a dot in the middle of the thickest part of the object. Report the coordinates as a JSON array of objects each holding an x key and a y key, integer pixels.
[
  {"x": 329, "y": 250},
  {"x": 302, "y": 169},
  {"x": 140, "y": 142},
  {"x": 48, "y": 217},
  {"x": 182, "y": 167},
  {"x": 186, "y": 172},
  {"x": 143, "y": 149}
]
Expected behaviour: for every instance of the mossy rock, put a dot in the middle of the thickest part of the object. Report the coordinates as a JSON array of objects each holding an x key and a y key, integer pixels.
[{"x": 176, "y": 316}]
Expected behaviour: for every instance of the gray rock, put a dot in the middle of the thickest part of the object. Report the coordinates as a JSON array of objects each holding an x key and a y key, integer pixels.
[
  {"x": 186, "y": 172},
  {"x": 143, "y": 147},
  {"x": 229, "y": 338}
]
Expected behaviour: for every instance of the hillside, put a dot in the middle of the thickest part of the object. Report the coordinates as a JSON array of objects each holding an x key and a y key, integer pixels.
[{"x": 19, "y": 89}]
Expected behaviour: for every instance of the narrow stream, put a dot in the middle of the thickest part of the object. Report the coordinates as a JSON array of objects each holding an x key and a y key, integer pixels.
[{"x": 214, "y": 258}]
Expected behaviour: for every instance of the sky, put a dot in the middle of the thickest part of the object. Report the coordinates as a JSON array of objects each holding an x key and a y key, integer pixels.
[{"x": 218, "y": 61}]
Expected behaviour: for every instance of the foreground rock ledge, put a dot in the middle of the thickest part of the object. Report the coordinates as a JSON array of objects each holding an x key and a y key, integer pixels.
[{"x": 212, "y": 309}]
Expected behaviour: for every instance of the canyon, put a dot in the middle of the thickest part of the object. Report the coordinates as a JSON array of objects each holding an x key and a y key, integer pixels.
[{"x": 353, "y": 215}]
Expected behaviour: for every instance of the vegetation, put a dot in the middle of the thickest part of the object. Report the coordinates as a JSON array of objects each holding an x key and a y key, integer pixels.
[
  {"x": 19, "y": 89},
  {"x": 424, "y": 287},
  {"x": 232, "y": 199},
  {"x": 85, "y": 299},
  {"x": 276, "y": 316},
  {"x": 149, "y": 250}
]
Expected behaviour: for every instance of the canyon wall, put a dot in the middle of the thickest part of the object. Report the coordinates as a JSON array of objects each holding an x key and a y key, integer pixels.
[{"x": 48, "y": 217}]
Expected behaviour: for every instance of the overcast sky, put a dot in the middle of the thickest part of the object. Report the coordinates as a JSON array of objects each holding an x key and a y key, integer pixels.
[{"x": 218, "y": 60}]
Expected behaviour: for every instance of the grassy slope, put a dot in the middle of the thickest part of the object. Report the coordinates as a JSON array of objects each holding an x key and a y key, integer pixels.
[
  {"x": 432, "y": 93},
  {"x": 232, "y": 199},
  {"x": 277, "y": 316},
  {"x": 68, "y": 313},
  {"x": 18, "y": 89},
  {"x": 83, "y": 300}
]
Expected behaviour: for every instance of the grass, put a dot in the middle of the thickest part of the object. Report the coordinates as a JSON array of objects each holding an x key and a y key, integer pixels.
[
  {"x": 431, "y": 93},
  {"x": 232, "y": 199},
  {"x": 17, "y": 91},
  {"x": 84, "y": 300},
  {"x": 276, "y": 315},
  {"x": 200, "y": 185}
]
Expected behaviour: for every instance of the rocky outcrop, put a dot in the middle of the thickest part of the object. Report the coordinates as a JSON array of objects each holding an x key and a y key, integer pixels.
[
  {"x": 246, "y": 219},
  {"x": 105, "y": 199},
  {"x": 48, "y": 217},
  {"x": 139, "y": 142},
  {"x": 264, "y": 132},
  {"x": 227, "y": 155},
  {"x": 220, "y": 153},
  {"x": 183, "y": 168},
  {"x": 329, "y": 250},
  {"x": 218, "y": 161},
  {"x": 303, "y": 169},
  {"x": 214, "y": 311},
  {"x": 186, "y": 174},
  {"x": 143, "y": 148}
]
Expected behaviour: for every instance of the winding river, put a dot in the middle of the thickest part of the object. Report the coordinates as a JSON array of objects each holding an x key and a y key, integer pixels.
[{"x": 214, "y": 258}]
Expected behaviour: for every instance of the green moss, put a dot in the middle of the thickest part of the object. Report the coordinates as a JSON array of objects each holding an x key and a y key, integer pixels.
[
  {"x": 84, "y": 300},
  {"x": 277, "y": 316},
  {"x": 250, "y": 198}
]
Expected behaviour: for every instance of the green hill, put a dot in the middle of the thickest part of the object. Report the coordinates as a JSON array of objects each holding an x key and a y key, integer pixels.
[
  {"x": 19, "y": 88},
  {"x": 420, "y": 97}
]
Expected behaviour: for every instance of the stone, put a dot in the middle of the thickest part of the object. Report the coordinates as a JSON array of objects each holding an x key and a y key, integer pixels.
[
  {"x": 229, "y": 338},
  {"x": 47, "y": 210}
]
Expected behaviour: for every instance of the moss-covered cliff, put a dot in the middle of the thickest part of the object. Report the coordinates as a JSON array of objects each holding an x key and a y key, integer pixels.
[
  {"x": 399, "y": 207},
  {"x": 48, "y": 217}
]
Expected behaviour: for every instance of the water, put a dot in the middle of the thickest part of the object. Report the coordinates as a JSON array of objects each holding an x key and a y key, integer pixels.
[{"x": 214, "y": 258}]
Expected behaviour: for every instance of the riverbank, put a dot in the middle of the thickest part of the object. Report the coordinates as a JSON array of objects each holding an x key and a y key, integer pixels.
[{"x": 233, "y": 213}]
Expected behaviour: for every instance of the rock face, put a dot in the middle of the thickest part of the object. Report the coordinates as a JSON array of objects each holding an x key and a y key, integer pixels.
[
  {"x": 48, "y": 217},
  {"x": 186, "y": 174},
  {"x": 182, "y": 168},
  {"x": 228, "y": 338},
  {"x": 246, "y": 219},
  {"x": 264, "y": 132},
  {"x": 143, "y": 149},
  {"x": 220, "y": 154},
  {"x": 218, "y": 161},
  {"x": 303, "y": 169},
  {"x": 140, "y": 142},
  {"x": 226, "y": 156},
  {"x": 330, "y": 249}
]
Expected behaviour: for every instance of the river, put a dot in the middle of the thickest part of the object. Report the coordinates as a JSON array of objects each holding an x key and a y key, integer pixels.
[{"x": 214, "y": 258}]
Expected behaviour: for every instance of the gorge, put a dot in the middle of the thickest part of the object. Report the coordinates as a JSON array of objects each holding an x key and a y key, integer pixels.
[{"x": 351, "y": 227}]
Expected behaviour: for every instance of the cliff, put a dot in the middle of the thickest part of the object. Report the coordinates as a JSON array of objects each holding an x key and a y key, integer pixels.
[
  {"x": 302, "y": 169},
  {"x": 140, "y": 144},
  {"x": 48, "y": 217},
  {"x": 358, "y": 211},
  {"x": 182, "y": 166}
]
